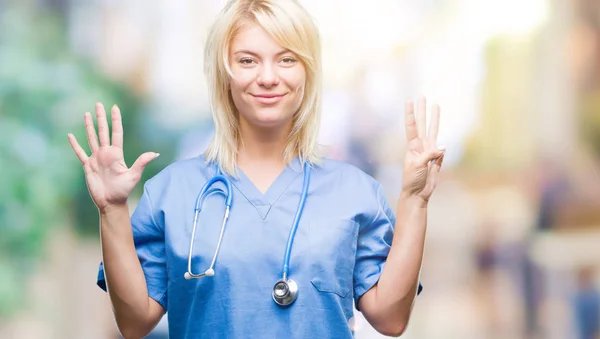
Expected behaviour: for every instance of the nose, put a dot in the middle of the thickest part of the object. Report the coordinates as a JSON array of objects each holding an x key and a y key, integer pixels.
[{"x": 267, "y": 76}]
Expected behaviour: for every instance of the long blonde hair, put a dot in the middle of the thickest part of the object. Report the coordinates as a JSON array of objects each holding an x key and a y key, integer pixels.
[{"x": 292, "y": 27}]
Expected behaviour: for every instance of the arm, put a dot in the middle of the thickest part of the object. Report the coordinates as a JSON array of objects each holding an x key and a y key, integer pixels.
[
  {"x": 110, "y": 182},
  {"x": 135, "y": 312},
  {"x": 388, "y": 304}
]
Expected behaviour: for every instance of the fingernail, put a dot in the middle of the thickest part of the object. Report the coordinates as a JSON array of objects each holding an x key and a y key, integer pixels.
[
  {"x": 114, "y": 106},
  {"x": 441, "y": 147},
  {"x": 156, "y": 156}
]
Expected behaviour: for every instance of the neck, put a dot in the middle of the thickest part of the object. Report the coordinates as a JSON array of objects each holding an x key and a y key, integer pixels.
[{"x": 262, "y": 145}]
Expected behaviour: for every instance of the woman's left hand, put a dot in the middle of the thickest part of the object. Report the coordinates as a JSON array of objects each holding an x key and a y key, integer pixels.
[{"x": 424, "y": 157}]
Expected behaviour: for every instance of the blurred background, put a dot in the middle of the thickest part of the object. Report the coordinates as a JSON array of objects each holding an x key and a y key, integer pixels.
[{"x": 513, "y": 247}]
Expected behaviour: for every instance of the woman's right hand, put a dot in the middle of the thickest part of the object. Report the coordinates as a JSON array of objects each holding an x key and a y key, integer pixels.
[{"x": 108, "y": 179}]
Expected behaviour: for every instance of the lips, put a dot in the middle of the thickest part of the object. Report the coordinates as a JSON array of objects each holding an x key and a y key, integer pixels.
[
  {"x": 268, "y": 98},
  {"x": 267, "y": 95}
]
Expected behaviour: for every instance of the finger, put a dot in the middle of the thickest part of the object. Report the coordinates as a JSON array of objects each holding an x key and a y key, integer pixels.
[
  {"x": 430, "y": 155},
  {"x": 90, "y": 131},
  {"x": 434, "y": 172},
  {"x": 143, "y": 160},
  {"x": 434, "y": 125},
  {"x": 102, "y": 125},
  {"x": 409, "y": 119},
  {"x": 117, "y": 127},
  {"x": 79, "y": 152},
  {"x": 437, "y": 163},
  {"x": 421, "y": 117}
]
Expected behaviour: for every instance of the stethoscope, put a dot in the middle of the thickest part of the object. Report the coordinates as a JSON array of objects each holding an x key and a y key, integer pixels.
[{"x": 285, "y": 291}]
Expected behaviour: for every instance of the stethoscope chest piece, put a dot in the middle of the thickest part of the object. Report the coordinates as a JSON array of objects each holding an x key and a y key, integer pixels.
[{"x": 285, "y": 292}]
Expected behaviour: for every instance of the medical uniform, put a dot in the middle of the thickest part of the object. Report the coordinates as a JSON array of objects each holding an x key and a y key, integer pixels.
[{"x": 339, "y": 251}]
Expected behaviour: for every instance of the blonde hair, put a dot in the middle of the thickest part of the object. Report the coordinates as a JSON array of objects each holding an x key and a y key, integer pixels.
[{"x": 288, "y": 23}]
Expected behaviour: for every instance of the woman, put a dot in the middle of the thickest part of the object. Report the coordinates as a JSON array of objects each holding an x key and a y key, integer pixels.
[{"x": 263, "y": 66}]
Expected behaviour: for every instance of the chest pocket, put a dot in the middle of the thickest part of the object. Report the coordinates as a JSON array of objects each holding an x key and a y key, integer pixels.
[{"x": 333, "y": 254}]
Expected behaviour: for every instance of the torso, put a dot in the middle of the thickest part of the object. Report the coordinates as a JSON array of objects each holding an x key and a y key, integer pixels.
[{"x": 236, "y": 302}]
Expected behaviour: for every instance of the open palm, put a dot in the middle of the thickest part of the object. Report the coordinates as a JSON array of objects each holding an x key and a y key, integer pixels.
[
  {"x": 109, "y": 180},
  {"x": 423, "y": 158}
]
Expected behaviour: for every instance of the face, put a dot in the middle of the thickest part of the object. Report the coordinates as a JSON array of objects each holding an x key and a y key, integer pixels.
[{"x": 268, "y": 83}]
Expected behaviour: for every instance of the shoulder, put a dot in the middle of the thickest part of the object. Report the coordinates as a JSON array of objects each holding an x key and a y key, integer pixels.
[
  {"x": 180, "y": 172},
  {"x": 345, "y": 173},
  {"x": 352, "y": 189},
  {"x": 347, "y": 182}
]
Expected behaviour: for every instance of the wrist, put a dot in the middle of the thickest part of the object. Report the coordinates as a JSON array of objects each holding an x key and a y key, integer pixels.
[
  {"x": 113, "y": 208},
  {"x": 412, "y": 199}
]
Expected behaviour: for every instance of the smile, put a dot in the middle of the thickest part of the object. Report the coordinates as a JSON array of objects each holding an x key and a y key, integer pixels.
[{"x": 268, "y": 99}]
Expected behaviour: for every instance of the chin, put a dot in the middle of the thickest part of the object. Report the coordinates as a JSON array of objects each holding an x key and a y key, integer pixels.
[
  {"x": 270, "y": 123},
  {"x": 269, "y": 118}
]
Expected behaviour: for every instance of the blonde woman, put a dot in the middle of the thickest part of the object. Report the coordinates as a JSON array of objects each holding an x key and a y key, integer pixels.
[{"x": 260, "y": 237}]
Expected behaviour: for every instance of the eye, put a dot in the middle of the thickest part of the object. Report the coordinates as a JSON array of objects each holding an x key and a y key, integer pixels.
[
  {"x": 288, "y": 61},
  {"x": 246, "y": 61}
]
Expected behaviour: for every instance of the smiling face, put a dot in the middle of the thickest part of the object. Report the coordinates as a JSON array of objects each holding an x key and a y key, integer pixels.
[{"x": 268, "y": 80}]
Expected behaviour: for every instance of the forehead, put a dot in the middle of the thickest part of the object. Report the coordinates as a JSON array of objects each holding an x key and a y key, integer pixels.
[{"x": 253, "y": 37}]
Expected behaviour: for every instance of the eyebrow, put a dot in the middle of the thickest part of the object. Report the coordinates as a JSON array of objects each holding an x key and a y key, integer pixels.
[{"x": 245, "y": 51}]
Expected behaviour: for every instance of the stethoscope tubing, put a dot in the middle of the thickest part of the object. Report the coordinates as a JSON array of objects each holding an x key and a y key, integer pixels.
[
  {"x": 299, "y": 211},
  {"x": 291, "y": 288}
]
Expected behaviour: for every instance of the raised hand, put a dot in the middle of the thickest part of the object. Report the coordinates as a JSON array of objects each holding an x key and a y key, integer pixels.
[
  {"x": 424, "y": 157},
  {"x": 108, "y": 179}
]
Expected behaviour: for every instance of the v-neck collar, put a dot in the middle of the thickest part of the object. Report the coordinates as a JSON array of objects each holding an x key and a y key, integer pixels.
[{"x": 264, "y": 202}]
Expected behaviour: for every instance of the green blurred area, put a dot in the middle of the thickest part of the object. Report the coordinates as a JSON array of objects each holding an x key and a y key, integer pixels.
[{"x": 43, "y": 85}]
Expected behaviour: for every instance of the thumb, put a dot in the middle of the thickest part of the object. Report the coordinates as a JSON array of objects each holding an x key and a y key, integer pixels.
[
  {"x": 143, "y": 160},
  {"x": 432, "y": 155},
  {"x": 437, "y": 163}
]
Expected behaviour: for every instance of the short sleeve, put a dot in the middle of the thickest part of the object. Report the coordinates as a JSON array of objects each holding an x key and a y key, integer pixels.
[
  {"x": 149, "y": 243},
  {"x": 374, "y": 243}
]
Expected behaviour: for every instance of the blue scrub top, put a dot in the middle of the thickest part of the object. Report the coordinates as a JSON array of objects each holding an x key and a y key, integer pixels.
[{"x": 339, "y": 251}]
